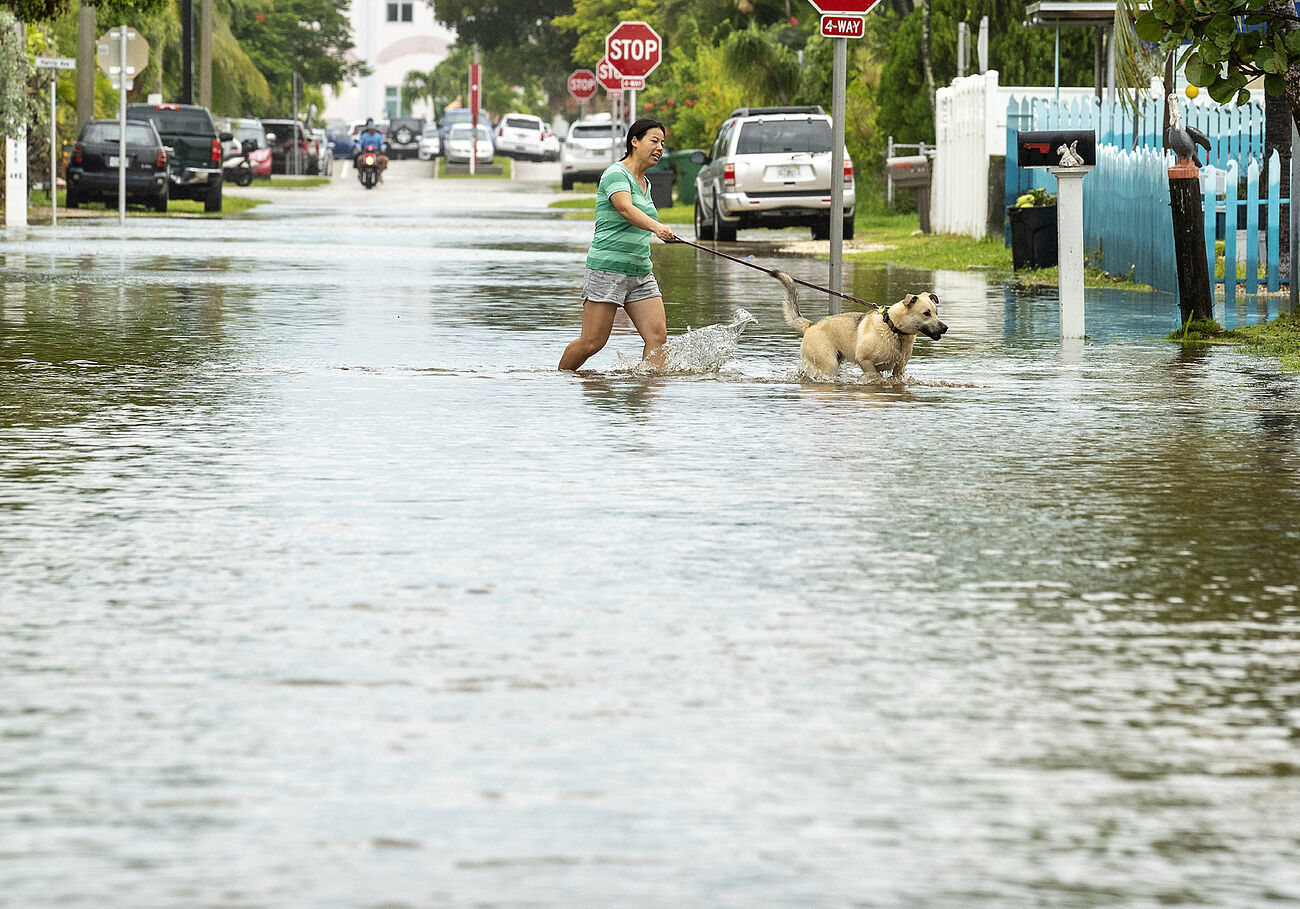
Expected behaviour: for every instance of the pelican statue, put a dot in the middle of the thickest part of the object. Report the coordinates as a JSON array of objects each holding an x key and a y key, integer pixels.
[{"x": 1182, "y": 140}]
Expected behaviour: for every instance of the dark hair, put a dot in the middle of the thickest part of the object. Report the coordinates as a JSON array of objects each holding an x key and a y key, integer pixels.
[{"x": 639, "y": 129}]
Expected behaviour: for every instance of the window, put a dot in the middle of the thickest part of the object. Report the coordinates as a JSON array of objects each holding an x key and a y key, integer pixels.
[
  {"x": 392, "y": 102},
  {"x": 786, "y": 136},
  {"x": 401, "y": 11}
]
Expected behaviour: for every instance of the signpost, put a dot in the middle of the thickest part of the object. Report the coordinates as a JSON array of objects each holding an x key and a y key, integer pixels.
[
  {"x": 611, "y": 80},
  {"x": 121, "y": 53},
  {"x": 54, "y": 64},
  {"x": 841, "y": 20},
  {"x": 475, "y": 90},
  {"x": 582, "y": 85},
  {"x": 634, "y": 49}
]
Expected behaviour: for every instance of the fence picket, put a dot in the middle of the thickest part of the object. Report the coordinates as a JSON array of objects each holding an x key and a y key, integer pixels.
[
  {"x": 1210, "y": 189},
  {"x": 1252, "y": 228},
  {"x": 1274, "y": 206},
  {"x": 1230, "y": 233}
]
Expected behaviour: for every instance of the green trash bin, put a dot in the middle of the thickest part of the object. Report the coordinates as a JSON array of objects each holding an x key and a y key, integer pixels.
[
  {"x": 661, "y": 182},
  {"x": 687, "y": 163}
]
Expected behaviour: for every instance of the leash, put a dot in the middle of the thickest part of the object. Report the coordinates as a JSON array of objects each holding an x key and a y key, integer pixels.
[{"x": 773, "y": 273}]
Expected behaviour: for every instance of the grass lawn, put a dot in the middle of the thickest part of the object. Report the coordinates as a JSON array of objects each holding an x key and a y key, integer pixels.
[
  {"x": 230, "y": 205},
  {"x": 501, "y": 161},
  {"x": 583, "y": 208},
  {"x": 1279, "y": 338},
  {"x": 288, "y": 181}
]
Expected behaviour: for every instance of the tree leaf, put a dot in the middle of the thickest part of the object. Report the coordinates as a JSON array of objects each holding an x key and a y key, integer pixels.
[
  {"x": 1200, "y": 73},
  {"x": 1149, "y": 28},
  {"x": 1274, "y": 85}
]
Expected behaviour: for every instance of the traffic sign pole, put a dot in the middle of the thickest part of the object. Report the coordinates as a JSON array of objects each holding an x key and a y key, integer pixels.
[
  {"x": 54, "y": 164},
  {"x": 839, "y": 75},
  {"x": 121, "y": 129}
]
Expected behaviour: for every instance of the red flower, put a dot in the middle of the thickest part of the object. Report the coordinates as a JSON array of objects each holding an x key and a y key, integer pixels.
[
  {"x": 794, "y": 20},
  {"x": 671, "y": 102},
  {"x": 647, "y": 107},
  {"x": 259, "y": 18}
]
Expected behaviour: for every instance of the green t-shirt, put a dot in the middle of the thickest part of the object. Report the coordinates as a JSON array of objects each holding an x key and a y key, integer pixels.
[{"x": 618, "y": 245}]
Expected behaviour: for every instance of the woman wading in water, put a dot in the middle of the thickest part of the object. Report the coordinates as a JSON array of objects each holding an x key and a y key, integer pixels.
[{"x": 618, "y": 263}]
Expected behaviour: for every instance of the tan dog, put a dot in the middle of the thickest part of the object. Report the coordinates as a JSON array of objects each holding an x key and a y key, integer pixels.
[{"x": 876, "y": 341}]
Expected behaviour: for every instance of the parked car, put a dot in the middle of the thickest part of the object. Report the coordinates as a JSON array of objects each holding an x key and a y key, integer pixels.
[
  {"x": 92, "y": 171},
  {"x": 194, "y": 149},
  {"x": 324, "y": 152},
  {"x": 550, "y": 144},
  {"x": 284, "y": 135},
  {"x": 461, "y": 115},
  {"x": 771, "y": 167},
  {"x": 458, "y": 149},
  {"x": 521, "y": 136},
  {"x": 342, "y": 145},
  {"x": 430, "y": 142},
  {"x": 589, "y": 149},
  {"x": 248, "y": 137},
  {"x": 404, "y": 136}
]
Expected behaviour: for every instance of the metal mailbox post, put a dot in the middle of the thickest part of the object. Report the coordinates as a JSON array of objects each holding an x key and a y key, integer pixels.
[{"x": 1069, "y": 155}]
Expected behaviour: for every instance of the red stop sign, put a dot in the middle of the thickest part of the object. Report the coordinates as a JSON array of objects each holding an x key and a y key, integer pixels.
[
  {"x": 608, "y": 75},
  {"x": 859, "y": 7},
  {"x": 634, "y": 49},
  {"x": 582, "y": 84}
]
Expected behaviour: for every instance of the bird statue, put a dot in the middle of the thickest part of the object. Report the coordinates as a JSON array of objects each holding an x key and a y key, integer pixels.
[{"x": 1182, "y": 140}]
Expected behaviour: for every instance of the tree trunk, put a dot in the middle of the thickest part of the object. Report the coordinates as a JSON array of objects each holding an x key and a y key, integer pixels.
[{"x": 926, "y": 64}]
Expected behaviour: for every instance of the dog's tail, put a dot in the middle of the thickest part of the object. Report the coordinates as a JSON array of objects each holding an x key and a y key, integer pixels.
[{"x": 790, "y": 306}]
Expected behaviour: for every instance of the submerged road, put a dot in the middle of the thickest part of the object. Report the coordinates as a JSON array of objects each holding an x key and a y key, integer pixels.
[{"x": 319, "y": 586}]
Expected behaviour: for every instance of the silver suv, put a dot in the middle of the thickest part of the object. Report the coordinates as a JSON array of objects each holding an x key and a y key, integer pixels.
[
  {"x": 770, "y": 167},
  {"x": 593, "y": 144}
]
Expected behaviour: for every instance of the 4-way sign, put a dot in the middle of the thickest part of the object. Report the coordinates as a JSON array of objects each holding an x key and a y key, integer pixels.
[{"x": 634, "y": 49}]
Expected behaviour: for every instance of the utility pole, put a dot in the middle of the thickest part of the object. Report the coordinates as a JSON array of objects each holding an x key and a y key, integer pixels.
[
  {"x": 85, "y": 65},
  {"x": 205, "y": 53},
  {"x": 187, "y": 51}
]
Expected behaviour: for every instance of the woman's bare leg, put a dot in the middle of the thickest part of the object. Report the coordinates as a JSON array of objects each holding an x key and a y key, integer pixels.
[
  {"x": 652, "y": 323},
  {"x": 597, "y": 320}
]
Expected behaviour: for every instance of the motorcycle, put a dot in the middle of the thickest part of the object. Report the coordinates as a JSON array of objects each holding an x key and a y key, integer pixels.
[
  {"x": 237, "y": 169},
  {"x": 367, "y": 164}
]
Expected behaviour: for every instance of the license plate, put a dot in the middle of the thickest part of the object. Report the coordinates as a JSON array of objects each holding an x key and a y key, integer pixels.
[
  {"x": 789, "y": 172},
  {"x": 112, "y": 160}
]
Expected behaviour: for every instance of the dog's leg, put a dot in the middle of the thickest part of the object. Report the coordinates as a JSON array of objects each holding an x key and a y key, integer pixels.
[{"x": 874, "y": 375}]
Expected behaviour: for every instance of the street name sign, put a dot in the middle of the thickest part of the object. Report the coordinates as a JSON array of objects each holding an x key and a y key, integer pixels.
[
  {"x": 837, "y": 25},
  {"x": 634, "y": 49},
  {"x": 56, "y": 63},
  {"x": 582, "y": 84}
]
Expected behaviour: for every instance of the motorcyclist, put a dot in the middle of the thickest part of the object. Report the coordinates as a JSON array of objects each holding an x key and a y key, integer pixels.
[{"x": 371, "y": 135}]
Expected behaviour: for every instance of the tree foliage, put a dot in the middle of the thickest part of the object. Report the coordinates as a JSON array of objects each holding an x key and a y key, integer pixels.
[{"x": 1223, "y": 56}]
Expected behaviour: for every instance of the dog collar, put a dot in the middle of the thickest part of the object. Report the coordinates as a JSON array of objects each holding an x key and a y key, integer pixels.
[{"x": 892, "y": 327}]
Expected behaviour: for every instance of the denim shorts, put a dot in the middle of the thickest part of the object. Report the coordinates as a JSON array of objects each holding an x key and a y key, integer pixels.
[{"x": 611, "y": 287}]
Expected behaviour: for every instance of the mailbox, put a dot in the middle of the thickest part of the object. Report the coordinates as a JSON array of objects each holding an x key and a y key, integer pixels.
[
  {"x": 909, "y": 172},
  {"x": 1043, "y": 148},
  {"x": 913, "y": 172}
]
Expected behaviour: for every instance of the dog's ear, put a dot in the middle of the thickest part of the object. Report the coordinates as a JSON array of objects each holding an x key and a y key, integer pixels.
[
  {"x": 934, "y": 297},
  {"x": 912, "y": 300}
]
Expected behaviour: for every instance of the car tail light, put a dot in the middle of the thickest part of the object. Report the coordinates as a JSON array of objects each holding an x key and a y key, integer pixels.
[
  {"x": 216, "y": 151},
  {"x": 848, "y": 172},
  {"x": 161, "y": 161},
  {"x": 729, "y": 176},
  {"x": 76, "y": 153},
  {"x": 501, "y": 130}
]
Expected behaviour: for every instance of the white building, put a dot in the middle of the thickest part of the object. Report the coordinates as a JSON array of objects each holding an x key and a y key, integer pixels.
[{"x": 393, "y": 37}]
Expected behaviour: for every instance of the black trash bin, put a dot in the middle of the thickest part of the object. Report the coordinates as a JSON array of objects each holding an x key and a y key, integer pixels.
[
  {"x": 661, "y": 186},
  {"x": 1033, "y": 236}
]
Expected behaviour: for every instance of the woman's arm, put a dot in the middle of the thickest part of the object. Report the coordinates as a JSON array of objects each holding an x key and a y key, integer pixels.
[{"x": 622, "y": 202}]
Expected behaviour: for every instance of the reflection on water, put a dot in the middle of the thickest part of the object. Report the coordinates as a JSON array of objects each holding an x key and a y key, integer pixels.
[{"x": 320, "y": 585}]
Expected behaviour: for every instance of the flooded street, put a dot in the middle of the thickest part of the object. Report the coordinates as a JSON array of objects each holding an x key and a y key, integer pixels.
[{"x": 321, "y": 586}]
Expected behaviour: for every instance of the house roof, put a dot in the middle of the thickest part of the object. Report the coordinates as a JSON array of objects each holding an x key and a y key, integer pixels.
[{"x": 1066, "y": 13}]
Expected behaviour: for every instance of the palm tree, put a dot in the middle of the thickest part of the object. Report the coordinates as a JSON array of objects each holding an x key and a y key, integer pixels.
[{"x": 419, "y": 86}]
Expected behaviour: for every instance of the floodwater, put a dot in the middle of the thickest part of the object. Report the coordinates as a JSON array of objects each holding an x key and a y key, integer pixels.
[{"x": 320, "y": 587}]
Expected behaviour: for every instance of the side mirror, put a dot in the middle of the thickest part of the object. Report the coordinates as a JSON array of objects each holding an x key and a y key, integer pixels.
[
  {"x": 270, "y": 137},
  {"x": 226, "y": 137},
  {"x": 698, "y": 157}
]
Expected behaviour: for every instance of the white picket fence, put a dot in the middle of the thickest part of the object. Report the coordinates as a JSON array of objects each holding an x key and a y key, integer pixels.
[{"x": 970, "y": 126}]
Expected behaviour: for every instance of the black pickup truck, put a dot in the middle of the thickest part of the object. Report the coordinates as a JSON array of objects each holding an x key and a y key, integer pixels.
[{"x": 194, "y": 149}]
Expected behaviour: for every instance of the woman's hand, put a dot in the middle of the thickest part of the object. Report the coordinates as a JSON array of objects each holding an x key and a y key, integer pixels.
[{"x": 665, "y": 233}]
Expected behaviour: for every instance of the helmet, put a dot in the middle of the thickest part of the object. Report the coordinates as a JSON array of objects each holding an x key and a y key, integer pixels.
[{"x": 370, "y": 121}]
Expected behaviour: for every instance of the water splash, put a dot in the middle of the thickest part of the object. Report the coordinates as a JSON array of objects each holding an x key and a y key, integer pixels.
[{"x": 698, "y": 351}]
